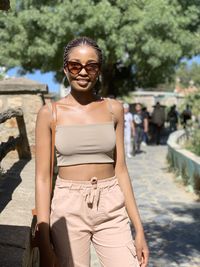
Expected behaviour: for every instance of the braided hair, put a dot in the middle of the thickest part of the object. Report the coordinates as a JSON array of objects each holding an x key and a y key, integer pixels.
[{"x": 81, "y": 41}]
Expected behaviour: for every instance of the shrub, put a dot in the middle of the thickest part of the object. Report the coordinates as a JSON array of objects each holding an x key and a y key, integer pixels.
[{"x": 193, "y": 144}]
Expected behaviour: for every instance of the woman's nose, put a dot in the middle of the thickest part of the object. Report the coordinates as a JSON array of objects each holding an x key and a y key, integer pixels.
[{"x": 83, "y": 72}]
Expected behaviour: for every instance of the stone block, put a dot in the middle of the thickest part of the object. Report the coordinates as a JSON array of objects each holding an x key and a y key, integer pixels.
[
  {"x": 1, "y": 103},
  {"x": 11, "y": 123},
  {"x": 32, "y": 103},
  {"x": 15, "y": 101}
]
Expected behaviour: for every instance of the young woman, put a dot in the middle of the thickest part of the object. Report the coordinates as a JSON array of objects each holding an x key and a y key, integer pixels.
[{"x": 93, "y": 196}]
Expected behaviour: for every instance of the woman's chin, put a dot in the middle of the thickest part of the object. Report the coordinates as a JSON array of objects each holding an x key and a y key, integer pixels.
[
  {"x": 82, "y": 87},
  {"x": 82, "y": 83}
]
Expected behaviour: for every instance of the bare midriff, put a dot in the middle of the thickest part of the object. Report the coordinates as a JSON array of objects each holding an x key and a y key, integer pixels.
[{"x": 84, "y": 172}]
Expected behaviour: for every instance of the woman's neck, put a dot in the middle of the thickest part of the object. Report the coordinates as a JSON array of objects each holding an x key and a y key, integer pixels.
[{"x": 83, "y": 98}]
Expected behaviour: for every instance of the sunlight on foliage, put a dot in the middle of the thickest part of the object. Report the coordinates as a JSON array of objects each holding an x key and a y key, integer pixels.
[{"x": 142, "y": 41}]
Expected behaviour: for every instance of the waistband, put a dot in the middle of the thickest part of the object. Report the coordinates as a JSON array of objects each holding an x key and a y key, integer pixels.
[
  {"x": 93, "y": 182},
  {"x": 91, "y": 190}
]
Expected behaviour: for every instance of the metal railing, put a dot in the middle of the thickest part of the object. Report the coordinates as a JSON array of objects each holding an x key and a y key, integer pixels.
[{"x": 20, "y": 143}]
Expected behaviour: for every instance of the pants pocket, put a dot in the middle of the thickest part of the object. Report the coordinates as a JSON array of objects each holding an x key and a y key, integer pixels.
[
  {"x": 131, "y": 246},
  {"x": 133, "y": 260}
]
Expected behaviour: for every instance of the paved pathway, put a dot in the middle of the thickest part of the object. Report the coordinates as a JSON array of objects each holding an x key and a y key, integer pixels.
[
  {"x": 171, "y": 216},
  {"x": 16, "y": 202}
]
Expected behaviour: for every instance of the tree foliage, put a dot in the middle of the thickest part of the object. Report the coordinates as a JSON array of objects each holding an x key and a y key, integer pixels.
[
  {"x": 193, "y": 144},
  {"x": 193, "y": 101},
  {"x": 142, "y": 40},
  {"x": 188, "y": 74}
]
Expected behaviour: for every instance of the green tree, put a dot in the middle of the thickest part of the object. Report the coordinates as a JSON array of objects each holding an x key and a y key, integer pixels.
[
  {"x": 142, "y": 40},
  {"x": 193, "y": 100},
  {"x": 187, "y": 73}
]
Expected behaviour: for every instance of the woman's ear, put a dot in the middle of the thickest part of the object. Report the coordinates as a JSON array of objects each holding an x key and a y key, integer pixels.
[
  {"x": 66, "y": 74},
  {"x": 65, "y": 71}
]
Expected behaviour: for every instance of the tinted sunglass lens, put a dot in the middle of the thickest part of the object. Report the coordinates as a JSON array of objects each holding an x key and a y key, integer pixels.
[
  {"x": 74, "y": 68},
  {"x": 92, "y": 68}
]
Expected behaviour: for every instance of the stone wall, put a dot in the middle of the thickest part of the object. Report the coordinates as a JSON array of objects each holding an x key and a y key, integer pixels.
[
  {"x": 184, "y": 163},
  {"x": 30, "y": 104},
  {"x": 149, "y": 98}
]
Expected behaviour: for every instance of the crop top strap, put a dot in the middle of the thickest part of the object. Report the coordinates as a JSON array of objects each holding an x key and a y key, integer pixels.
[{"x": 110, "y": 108}]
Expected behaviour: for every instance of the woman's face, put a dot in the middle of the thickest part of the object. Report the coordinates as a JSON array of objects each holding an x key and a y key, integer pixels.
[{"x": 80, "y": 57}]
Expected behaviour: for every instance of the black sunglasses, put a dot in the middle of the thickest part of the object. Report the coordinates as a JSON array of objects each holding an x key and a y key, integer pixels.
[{"x": 76, "y": 67}]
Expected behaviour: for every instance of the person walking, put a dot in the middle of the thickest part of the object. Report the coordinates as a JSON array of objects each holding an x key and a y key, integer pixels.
[
  {"x": 186, "y": 115},
  {"x": 172, "y": 118},
  {"x": 158, "y": 120},
  {"x": 145, "y": 138},
  {"x": 128, "y": 130},
  {"x": 93, "y": 200},
  {"x": 140, "y": 126}
]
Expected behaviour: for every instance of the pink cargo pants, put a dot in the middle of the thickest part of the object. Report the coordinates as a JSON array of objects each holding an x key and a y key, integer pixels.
[{"x": 91, "y": 211}]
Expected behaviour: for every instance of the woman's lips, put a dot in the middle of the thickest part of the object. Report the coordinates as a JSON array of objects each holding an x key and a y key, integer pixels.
[{"x": 82, "y": 82}]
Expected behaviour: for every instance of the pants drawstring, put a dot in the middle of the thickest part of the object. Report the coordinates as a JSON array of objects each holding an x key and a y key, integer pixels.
[{"x": 93, "y": 194}]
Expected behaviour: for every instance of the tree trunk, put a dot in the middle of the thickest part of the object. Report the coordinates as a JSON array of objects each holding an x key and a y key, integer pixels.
[
  {"x": 107, "y": 86},
  {"x": 4, "y": 5}
]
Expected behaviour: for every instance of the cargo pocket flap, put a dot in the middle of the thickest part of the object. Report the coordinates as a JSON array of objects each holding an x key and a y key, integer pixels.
[{"x": 131, "y": 247}]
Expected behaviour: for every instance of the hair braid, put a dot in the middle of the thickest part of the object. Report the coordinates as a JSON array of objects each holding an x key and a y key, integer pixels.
[{"x": 81, "y": 41}]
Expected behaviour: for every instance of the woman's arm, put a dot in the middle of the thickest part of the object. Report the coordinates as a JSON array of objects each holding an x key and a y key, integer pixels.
[
  {"x": 42, "y": 173},
  {"x": 126, "y": 186},
  {"x": 121, "y": 168}
]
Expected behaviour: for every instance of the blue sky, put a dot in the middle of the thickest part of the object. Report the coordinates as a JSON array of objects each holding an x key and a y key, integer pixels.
[
  {"x": 194, "y": 59},
  {"x": 53, "y": 86},
  {"x": 39, "y": 77}
]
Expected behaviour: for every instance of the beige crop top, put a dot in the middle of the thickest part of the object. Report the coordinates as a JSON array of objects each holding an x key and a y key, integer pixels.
[{"x": 87, "y": 143}]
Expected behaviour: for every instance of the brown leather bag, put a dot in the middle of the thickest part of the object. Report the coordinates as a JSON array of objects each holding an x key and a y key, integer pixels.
[{"x": 32, "y": 253}]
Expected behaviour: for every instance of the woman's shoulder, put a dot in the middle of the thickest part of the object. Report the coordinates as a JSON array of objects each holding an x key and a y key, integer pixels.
[
  {"x": 117, "y": 107},
  {"x": 116, "y": 104},
  {"x": 48, "y": 107},
  {"x": 45, "y": 112}
]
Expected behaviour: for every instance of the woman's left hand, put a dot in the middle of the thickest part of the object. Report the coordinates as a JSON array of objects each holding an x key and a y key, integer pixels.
[{"x": 141, "y": 249}]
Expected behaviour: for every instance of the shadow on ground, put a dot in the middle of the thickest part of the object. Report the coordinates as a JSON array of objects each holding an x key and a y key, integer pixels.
[
  {"x": 12, "y": 245},
  {"x": 9, "y": 182},
  {"x": 175, "y": 241},
  {"x": 163, "y": 139}
]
